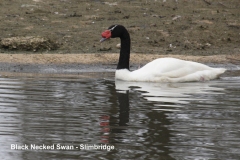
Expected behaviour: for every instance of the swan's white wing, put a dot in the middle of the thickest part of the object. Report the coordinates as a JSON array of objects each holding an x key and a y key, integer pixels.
[{"x": 171, "y": 70}]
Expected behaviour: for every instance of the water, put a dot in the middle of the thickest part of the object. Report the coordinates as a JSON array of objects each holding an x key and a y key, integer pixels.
[{"x": 140, "y": 120}]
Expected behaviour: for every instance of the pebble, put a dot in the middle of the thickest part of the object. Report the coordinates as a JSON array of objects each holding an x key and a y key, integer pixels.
[{"x": 118, "y": 45}]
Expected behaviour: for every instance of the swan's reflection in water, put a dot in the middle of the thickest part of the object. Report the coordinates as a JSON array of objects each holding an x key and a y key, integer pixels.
[
  {"x": 169, "y": 93},
  {"x": 205, "y": 125}
]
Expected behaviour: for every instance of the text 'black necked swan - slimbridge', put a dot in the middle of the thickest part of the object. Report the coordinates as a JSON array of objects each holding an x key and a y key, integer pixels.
[{"x": 159, "y": 70}]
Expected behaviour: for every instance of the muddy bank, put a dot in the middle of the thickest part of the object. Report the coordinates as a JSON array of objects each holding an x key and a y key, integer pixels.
[
  {"x": 108, "y": 58},
  {"x": 79, "y": 63},
  {"x": 205, "y": 31},
  {"x": 201, "y": 27}
]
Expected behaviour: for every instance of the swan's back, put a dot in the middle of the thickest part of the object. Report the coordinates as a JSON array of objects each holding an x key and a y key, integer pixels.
[{"x": 170, "y": 64}]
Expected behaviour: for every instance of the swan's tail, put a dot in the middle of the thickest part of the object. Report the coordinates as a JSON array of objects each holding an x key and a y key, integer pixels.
[
  {"x": 219, "y": 71},
  {"x": 204, "y": 75}
]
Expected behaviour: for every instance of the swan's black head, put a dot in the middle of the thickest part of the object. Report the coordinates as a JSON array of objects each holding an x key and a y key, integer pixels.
[
  {"x": 113, "y": 31},
  {"x": 120, "y": 31}
]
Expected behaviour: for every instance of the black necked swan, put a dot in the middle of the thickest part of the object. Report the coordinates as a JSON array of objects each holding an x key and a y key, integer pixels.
[{"x": 159, "y": 70}]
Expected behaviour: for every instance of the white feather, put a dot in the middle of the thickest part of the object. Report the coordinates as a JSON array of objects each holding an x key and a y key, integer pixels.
[{"x": 170, "y": 70}]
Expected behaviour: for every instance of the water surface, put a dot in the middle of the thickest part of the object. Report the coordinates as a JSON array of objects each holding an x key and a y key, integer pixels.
[{"x": 141, "y": 120}]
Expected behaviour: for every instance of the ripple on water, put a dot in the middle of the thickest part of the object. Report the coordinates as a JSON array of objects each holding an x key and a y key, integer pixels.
[{"x": 142, "y": 120}]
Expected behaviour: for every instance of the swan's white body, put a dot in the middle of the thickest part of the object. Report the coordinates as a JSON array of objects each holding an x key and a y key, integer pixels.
[{"x": 170, "y": 70}]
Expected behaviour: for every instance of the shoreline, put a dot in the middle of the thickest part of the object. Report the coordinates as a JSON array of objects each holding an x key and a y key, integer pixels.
[
  {"x": 104, "y": 63},
  {"x": 107, "y": 58}
]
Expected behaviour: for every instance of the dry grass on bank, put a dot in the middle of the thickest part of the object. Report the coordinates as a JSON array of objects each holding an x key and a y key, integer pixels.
[{"x": 108, "y": 58}]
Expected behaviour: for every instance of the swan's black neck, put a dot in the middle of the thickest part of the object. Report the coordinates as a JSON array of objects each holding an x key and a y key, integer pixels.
[{"x": 124, "y": 57}]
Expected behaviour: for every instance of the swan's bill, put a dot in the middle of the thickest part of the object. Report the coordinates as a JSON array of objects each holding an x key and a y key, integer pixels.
[{"x": 103, "y": 39}]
